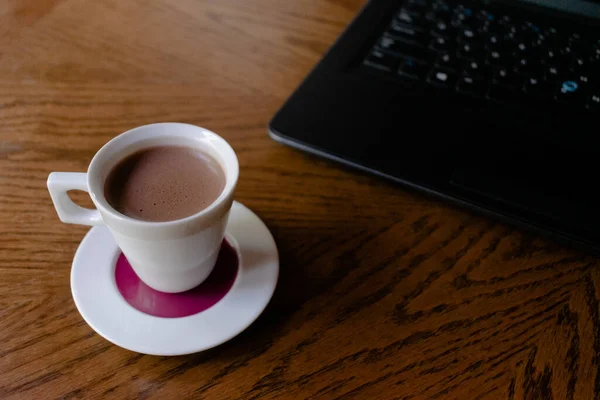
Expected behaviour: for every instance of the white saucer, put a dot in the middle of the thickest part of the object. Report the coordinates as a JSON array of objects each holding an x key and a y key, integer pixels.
[{"x": 102, "y": 306}]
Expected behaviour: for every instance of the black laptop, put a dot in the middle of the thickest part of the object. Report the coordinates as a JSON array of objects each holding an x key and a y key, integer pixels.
[{"x": 494, "y": 105}]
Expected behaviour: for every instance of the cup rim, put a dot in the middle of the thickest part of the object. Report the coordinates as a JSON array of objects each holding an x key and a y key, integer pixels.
[{"x": 231, "y": 170}]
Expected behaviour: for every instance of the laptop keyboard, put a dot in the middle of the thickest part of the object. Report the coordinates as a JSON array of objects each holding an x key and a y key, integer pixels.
[{"x": 487, "y": 54}]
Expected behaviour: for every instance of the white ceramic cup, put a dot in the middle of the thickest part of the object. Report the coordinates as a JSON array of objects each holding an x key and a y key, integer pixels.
[{"x": 172, "y": 256}]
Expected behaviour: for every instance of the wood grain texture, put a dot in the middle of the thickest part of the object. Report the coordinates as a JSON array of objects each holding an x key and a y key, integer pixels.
[{"x": 384, "y": 293}]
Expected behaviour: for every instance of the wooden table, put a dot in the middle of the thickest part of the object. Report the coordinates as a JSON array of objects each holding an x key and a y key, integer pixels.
[{"x": 384, "y": 293}]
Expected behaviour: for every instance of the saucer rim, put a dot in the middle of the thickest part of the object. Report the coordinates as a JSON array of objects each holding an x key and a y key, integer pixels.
[{"x": 260, "y": 297}]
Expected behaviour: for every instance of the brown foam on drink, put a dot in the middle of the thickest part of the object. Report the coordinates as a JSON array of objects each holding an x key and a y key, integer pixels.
[{"x": 164, "y": 183}]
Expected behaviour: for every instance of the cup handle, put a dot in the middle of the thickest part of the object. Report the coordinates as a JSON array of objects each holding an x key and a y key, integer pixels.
[{"x": 69, "y": 212}]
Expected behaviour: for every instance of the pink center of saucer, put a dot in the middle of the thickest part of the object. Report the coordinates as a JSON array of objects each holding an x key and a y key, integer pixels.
[{"x": 176, "y": 305}]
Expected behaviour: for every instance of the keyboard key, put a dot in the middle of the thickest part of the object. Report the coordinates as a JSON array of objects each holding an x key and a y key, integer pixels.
[
  {"x": 473, "y": 68},
  {"x": 482, "y": 27},
  {"x": 430, "y": 17},
  {"x": 571, "y": 91},
  {"x": 470, "y": 85},
  {"x": 569, "y": 50},
  {"x": 411, "y": 69},
  {"x": 406, "y": 32},
  {"x": 413, "y": 51},
  {"x": 442, "y": 29},
  {"x": 504, "y": 77},
  {"x": 531, "y": 29},
  {"x": 526, "y": 65},
  {"x": 381, "y": 60},
  {"x": 462, "y": 15},
  {"x": 493, "y": 27},
  {"x": 584, "y": 77},
  {"x": 522, "y": 48},
  {"x": 538, "y": 41},
  {"x": 441, "y": 6},
  {"x": 498, "y": 59},
  {"x": 536, "y": 86},
  {"x": 440, "y": 44},
  {"x": 446, "y": 61},
  {"x": 494, "y": 41},
  {"x": 415, "y": 10},
  {"x": 485, "y": 16},
  {"x": 522, "y": 64},
  {"x": 461, "y": 9},
  {"x": 514, "y": 34},
  {"x": 469, "y": 50},
  {"x": 440, "y": 10},
  {"x": 593, "y": 102},
  {"x": 552, "y": 73},
  {"x": 551, "y": 31},
  {"x": 577, "y": 43},
  {"x": 406, "y": 18},
  {"x": 389, "y": 44},
  {"x": 578, "y": 64},
  {"x": 468, "y": 35},
  {"x": 595, "y": 57},
  {"x": 441, "y": 77},
  {"x": 558, "y": 63},
  {"x": 550, "y": 56},
  {"x": 554, "y": 37},
  {"x": 417, "y": 6}
]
